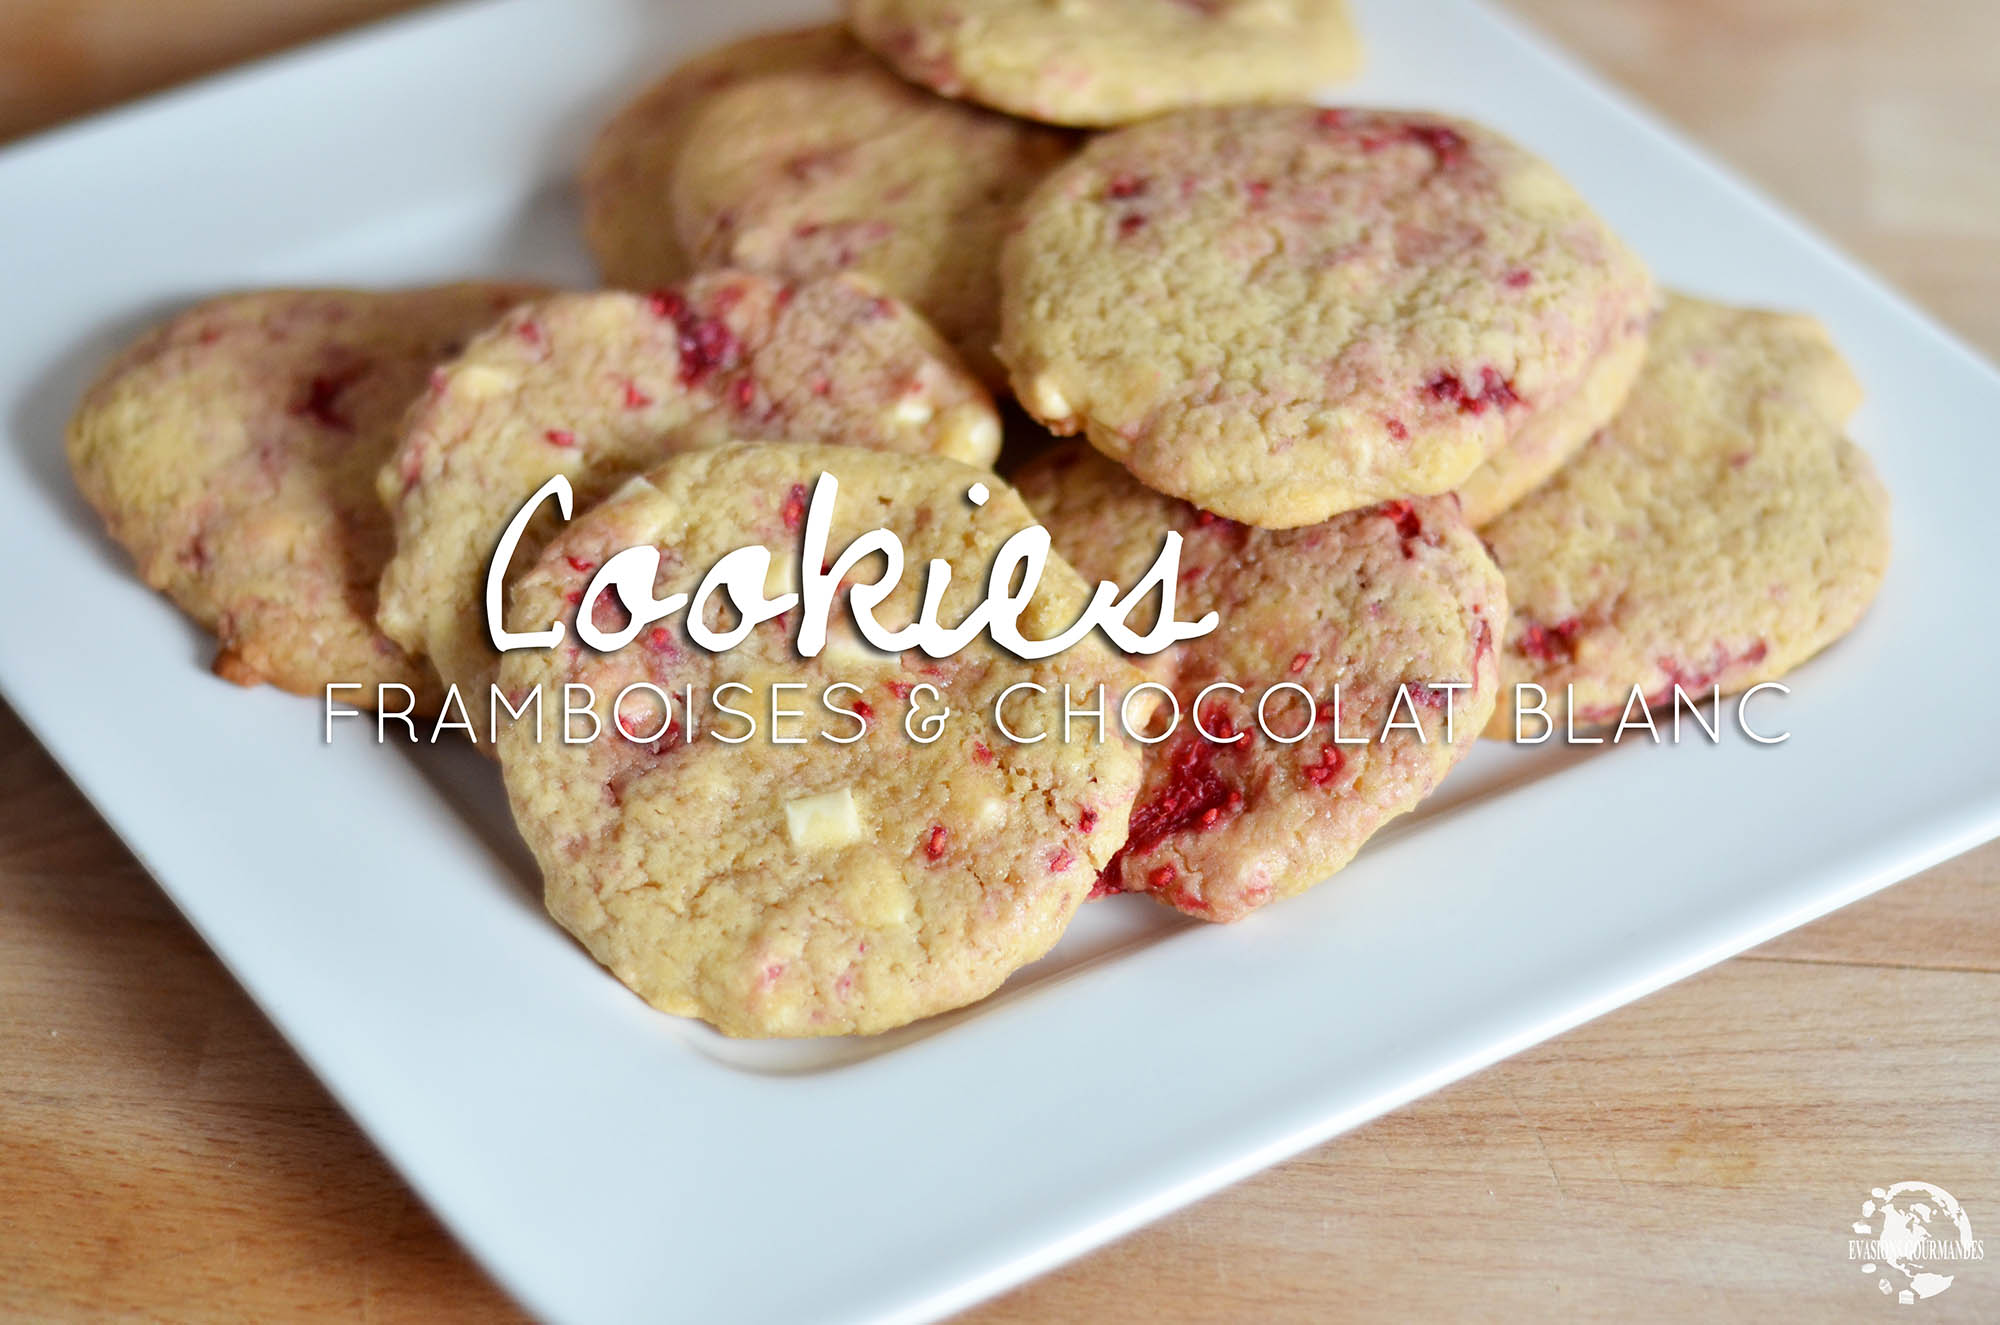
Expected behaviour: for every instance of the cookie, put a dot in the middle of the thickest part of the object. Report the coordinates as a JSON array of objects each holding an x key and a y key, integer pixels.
[
  {"x": 799, "y": 154},
  {"x": 232, "y": 451},
  {"x": 1106, "y": 62},
  {"x": 1280, "y": 313},
  {"x": 817, "y": 888},
  {"x": 1369, "y": 602},
  {"x": 1718, "y": 533},
  {"x": 601, "y": 386},
  {"x": 629, "y": 171}
]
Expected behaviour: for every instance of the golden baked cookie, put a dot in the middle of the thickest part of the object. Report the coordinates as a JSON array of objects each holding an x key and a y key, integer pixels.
[
  {"x": 1280, "y": 313},
  {"x": 1399, "y": 595},
  {"x": 799, "y": 154},
  {"x": 1105, "y": 62},
  {"x": 232, "y": 451},
  {"x": 600, "y": 386},
  {"x": 817, "y": 888},
  {"x": 1719, "y": 532},
  {"x": 627, "y": 176}
]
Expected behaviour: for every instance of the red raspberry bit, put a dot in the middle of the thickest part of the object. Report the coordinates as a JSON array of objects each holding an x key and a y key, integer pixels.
[
  {"x": 1086, "y": 821},
  {"x": 1258, "y": 189},
  {"x": 794, "y": 511},
  {"x": 1520, "y": 278},
  {"x": 1331, "y": 118},
  {"x": 1446, "y": 144},
  {"x": 1220, "y": 523},
  {"x": 1125, "y": 185},
  {"x": 580, "y": 566},
  {"x": 1192, "y": 790},
  {"x": 1107, "y": 885},
  {"x": 1161, "y": 878},
  {"x": 1409, "y": 525},
  {"x": 934, "y": 845},
  {"x": 805, "y": 231},
  {"x": 1300, "y": 661},
  {"x": 660, "y": 640},
  {"x": 574, "y": 597},
  {"x": 705, "y": 343},
  {"x": 881, "y": 307},
  {"x": 821, "y": 384},
  {"x": 560, "y": 437},
  {"x": 1130, "y": 223},
  {"x": 1494, "y": 392},
  {"x": 1326, "y": 768},
  {"x": 1428, "y": 696},
  {"x": 900, "y": 689},
  {"x": 634, "y": 397},
  {"x": 981, "y": 753},
  {"x": 1556, "y": 643},
  {"x": 744, "y": 393},
  {"x": 530, "y": 332},
  {"x": 1061, "y": 860},
  {"x": 864, "y": 710},
  {"x": 322, "y": 402},
  {"x": 1397, "y": 430}
]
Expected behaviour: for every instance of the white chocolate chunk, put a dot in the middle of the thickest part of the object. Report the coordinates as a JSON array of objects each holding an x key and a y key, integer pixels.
[
  {"x": 969, "y": 432},
  {"x": 912, "y": 410},
  {"x": 1047, "y": 401},
  {"x": 477, "y": 380},
  {"x": 826, "y": 820}
]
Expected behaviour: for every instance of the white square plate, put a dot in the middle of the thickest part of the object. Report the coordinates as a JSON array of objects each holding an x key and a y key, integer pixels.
[{"x": 606, "y": 1162}]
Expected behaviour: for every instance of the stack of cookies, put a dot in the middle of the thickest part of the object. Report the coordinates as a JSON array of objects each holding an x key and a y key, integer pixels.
[{"x": 1416, "y": 422}]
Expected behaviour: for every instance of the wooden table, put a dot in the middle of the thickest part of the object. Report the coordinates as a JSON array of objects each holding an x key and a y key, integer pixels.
[{"x": 163, "y": 1154}]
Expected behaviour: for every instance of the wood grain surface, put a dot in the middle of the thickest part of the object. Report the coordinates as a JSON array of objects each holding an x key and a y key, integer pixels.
[{"x": 164, "y": 1155}]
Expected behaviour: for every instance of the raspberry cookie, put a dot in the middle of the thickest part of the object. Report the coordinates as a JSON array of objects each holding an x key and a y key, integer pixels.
[
  {"x": 233, "y": 452},
  {"x": 1280, "y": 313},
  {"x": 1104, "y": 62},
  {"x": 817, "y": 887},
  {"x": 1719, "y": 532},
  {"x": 627, "y": 218},
  {"x": 801, "y": 155},
  {"x": 1395, "y": 606},
  {"x": 600, "y": 386}
]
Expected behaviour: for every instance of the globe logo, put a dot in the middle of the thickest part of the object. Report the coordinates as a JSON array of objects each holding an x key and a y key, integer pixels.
[{"x": 1914, "y": 1238}]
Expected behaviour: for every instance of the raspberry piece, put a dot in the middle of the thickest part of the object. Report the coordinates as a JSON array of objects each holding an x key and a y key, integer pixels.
[
  {"x": 794, "y": 511},
  {"x": 1556, "y": 643},
  {"x": 1326, "y": 768}
]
